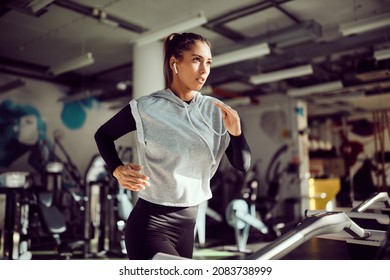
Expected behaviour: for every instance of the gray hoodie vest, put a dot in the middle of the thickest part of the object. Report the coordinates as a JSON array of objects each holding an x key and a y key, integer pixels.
[{"x": 180, "y": 146}]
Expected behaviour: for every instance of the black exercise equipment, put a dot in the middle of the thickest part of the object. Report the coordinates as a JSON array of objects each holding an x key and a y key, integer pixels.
[
  {"x": 268, "y": 205},
  {"x": 14, "y": 242},
  {"x": 384, "y": 251},
  {"x": 111, "y": 208},
  {"x": 47, "y": 221}
]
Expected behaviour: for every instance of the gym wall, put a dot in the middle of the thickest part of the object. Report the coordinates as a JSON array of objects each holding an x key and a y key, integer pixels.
[{"x": 31, "y": 116}]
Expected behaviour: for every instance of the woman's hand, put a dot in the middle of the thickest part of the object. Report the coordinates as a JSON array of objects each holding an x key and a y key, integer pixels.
[
  {"x": 231, "y": 119},
  {"x": 129, "y": 177}
]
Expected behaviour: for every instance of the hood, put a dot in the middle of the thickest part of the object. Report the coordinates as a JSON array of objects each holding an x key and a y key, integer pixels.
[
  {"x": 197, "y": 103},
  {"x": 169, "y": 95}
]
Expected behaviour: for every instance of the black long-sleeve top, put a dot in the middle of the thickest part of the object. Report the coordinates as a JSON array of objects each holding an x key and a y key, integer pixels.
[{"x": 123, "y": 122}]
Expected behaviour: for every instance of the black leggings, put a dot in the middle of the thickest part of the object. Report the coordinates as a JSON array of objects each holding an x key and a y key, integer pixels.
[{"x": 153, "y": 228}]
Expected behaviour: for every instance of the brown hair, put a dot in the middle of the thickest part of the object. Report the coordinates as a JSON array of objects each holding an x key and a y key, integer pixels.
[{"x": 175, "y": 44}]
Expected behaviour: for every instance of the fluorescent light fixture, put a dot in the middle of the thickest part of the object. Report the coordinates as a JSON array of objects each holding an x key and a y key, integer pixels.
[
  {"x": 382, "y": 54},
  {"x": 281, "y": 75},
  {"x": 38, "y": 5},
  {"x": 12, "y": 85},
  {"x": 365, "y": 25},
  {"x": 72, "y": 64},
  {"x": 321, "y": 88},
  {"x": 339, "y": 97},
  {"x": 173, "y": 27},
  {"x": 241, "y": 55}
]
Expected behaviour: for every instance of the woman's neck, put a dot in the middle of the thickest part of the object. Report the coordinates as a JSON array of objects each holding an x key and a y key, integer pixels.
[{"x": 184, "y": 94}]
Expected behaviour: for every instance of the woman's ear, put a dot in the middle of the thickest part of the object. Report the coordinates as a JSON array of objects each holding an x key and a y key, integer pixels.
[{"x": 173, "y": 64}]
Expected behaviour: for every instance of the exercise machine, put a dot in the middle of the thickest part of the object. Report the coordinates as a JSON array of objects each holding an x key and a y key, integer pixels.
[
  {"x": 48, "y": 226},
  {"x": 318, "y": 224},
  {"x": 242, "y": 217},
  {"x": 313, "y": 226},
  {"x": 14, "y": 242},
  {"x": 110, "y": 207},
  {"x": 241, "y": 214},
  {"x": 200, "y": 227},
  {"x": 375, "y": 198},
  {"x": 365, "y": 214}
]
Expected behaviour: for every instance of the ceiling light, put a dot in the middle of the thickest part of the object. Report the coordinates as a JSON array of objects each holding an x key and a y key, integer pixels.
[
  {"x": 12, "y": 85},
  {"x": 339, "y": 97},
  {"x": 38, "y": 5},
  {"x": 247, "y": 53},
  {"x": 365, "y": 25},
  {"x": 173, "y": 27},
  {"x": 281, "y": 75},
  {"x": 382, "y": 54},
  {"x": 34, "y": 7},
  {"x": 123, "y": 85},
  {"x": 72, "y": 64},
  {"x": 321, "y": 88}
]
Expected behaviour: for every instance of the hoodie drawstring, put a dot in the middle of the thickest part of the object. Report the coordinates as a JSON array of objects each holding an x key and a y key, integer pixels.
[
  {"x": 208, "y": 125},
  {"x": 197, "y": 131}
]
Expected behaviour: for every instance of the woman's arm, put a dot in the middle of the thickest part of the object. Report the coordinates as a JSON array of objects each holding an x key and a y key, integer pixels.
[
  {"x": 120, "y": 124},
  {"x": 238, "y": 153}
]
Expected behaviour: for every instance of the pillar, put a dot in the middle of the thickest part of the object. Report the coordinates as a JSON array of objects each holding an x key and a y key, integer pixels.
[{"x": 148, "y": 61}]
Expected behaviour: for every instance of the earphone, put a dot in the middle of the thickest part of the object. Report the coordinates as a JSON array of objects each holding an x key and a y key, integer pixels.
[{"x": 174, "y": 67}]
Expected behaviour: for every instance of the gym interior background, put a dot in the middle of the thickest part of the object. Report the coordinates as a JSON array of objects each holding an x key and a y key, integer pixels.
[{"x": 310, "y": 80}]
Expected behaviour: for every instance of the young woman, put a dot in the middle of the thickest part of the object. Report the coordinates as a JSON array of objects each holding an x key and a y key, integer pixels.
[{"x": 181, "y": 139}]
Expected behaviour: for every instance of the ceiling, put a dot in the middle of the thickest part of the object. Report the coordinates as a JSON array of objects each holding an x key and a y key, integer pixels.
[{"x": 298, "y": 32}]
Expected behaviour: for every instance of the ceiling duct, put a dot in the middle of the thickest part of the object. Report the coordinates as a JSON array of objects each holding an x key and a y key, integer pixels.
[
  {"x": 81, "y": 95},
  {"x": 299, "y": 33},
  {"x": 177, "y": 26},
  {"x": 12, "y": 85}
]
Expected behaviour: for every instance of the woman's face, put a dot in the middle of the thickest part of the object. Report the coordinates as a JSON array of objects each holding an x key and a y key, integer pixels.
[
  {"x": 28, "y": 130},
  {"x": 194, "y": 67}
]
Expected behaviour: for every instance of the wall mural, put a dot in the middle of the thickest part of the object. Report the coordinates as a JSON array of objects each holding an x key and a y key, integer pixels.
[
  {"x": 22, "y": 131},
  {"x": 74, "y": 114}
]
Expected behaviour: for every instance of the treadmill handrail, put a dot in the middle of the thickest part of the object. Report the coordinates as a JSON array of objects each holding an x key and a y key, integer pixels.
[
  {"x": 322, "y": 223},
  {"x": 382, "y": 219},
  {"x": 374, "y": 198}
]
